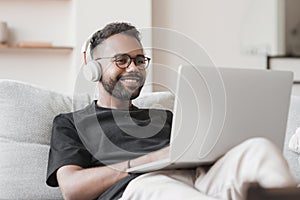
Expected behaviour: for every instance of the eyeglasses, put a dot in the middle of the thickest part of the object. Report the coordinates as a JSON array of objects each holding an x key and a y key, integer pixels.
[{"x": 124, "y": 60}]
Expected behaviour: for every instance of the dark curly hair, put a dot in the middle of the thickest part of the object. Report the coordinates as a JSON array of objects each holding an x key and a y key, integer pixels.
[{"x": 113, "y": 29}]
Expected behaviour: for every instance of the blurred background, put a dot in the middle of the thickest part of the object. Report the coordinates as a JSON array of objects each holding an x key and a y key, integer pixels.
[{"x": 41, "y": 39}]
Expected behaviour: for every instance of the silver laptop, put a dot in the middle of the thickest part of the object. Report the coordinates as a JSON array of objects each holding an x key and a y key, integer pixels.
[{"x": 216, "y": 109}]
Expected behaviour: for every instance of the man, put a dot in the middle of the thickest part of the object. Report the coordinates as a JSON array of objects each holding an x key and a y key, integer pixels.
[{"x": 92, "y": 148}]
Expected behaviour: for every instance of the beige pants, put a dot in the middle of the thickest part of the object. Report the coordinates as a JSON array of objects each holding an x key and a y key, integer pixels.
[{"x": 255, "y": 160}]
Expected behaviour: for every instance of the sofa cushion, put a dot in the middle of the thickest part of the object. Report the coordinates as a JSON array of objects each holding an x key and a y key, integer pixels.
[
  {"x": 27, "y": 112},
  {"x": 158, "y": 100},
  {"x": 292, "y": 124},
  {"x": 26, "y": 117}
]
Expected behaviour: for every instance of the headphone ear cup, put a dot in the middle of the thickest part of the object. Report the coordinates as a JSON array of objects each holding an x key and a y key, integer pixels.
[{"x": 92, "y": 71}]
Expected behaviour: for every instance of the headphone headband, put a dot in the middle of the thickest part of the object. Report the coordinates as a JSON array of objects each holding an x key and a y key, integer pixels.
[{"x": 86, "y": 45}]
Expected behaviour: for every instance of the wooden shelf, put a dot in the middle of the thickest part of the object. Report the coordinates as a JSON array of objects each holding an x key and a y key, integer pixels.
[
  {"x": 16, "y": 47},
  {"x": 46, "y": 0}
]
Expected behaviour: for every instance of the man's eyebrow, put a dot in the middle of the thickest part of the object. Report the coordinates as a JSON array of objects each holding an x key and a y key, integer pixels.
[{"x": 120, "y": 54}]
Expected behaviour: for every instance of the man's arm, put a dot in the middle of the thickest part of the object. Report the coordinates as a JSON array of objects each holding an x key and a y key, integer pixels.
[{"x": 78, "y": 183}]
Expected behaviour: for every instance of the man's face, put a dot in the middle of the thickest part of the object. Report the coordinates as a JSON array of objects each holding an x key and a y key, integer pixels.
[{"x": 121, "y": 83}]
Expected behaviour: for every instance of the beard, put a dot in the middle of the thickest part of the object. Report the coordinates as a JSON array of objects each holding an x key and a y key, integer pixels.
[{"x": 117, "y": 89}]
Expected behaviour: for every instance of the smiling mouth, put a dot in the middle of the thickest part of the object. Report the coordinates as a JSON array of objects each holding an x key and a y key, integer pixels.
[
  {"x": 130, "y": 79},
  {"x": 131, "y": 82}
]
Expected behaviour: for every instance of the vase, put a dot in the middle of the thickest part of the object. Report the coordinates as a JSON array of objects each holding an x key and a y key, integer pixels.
[{"x": 3, "y": 32}]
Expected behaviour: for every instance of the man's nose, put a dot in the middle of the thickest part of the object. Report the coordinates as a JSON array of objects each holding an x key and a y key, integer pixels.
[{"x": 132, "y": 67}]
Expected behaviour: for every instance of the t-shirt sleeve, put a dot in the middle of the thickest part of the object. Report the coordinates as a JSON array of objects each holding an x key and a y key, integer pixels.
[{"x": 66, "y": 148}]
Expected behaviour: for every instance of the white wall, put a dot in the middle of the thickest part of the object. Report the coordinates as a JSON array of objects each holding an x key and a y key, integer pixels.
[
  {"x": 62, "y": 22},
  {"x": 233, "y": 32}
]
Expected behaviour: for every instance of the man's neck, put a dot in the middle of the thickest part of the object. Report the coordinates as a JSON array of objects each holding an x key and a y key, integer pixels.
[{"x": 114, "y": 103}]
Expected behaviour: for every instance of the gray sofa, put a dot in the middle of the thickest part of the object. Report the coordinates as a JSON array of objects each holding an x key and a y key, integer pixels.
[
  {"x": 26, "y": 114},
  {"x": 292, "y": 124}
]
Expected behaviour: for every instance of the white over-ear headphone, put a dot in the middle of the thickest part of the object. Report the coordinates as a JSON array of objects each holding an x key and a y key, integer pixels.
[{"x": 92, "y": 69}]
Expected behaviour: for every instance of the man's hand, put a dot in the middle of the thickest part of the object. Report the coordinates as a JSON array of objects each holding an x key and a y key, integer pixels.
[{"x": 151, "y": 157}]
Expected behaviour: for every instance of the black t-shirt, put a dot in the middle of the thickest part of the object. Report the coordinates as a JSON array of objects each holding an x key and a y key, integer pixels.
[{"x": 96, "y": 136}]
